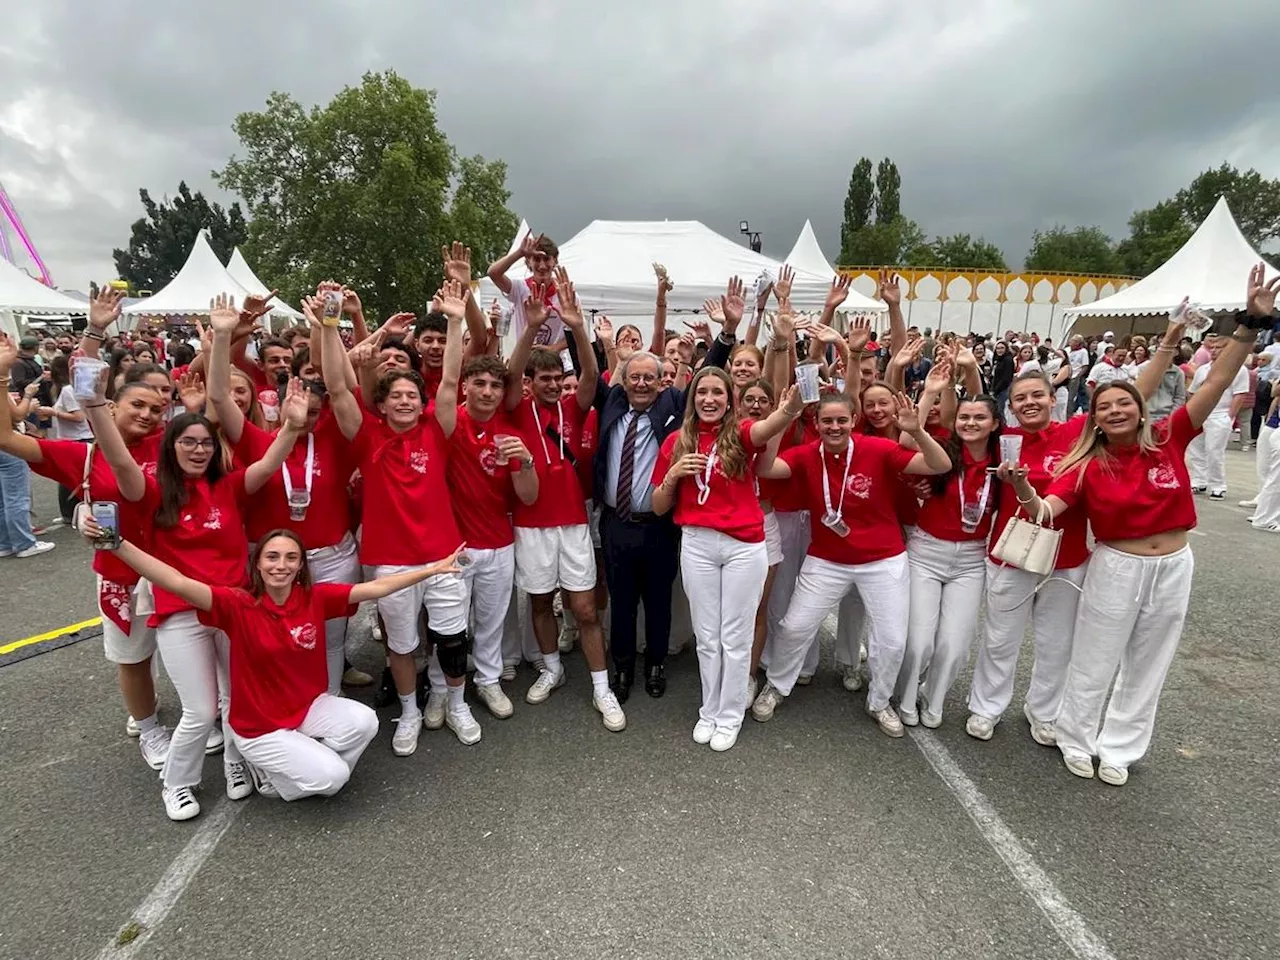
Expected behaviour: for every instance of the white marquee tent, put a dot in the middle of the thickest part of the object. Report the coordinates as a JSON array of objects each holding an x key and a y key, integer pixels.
[
  {"x": 201, "y": 279},
  {"x": 1211, "y": 268},
  {"x": 807, "y": 255},
  {"x": 243, "y": 274},
  {"x": 20, "y": 295}
]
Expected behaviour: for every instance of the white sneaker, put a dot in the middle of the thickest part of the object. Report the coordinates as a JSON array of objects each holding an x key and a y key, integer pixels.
[
  {"x": 6, "y": 552},
  {"x": 262, "y": 783},
  {"x": 215, "y": 741},
  {"x": 1248, "y": 503},
  {"x": 131, "y": 728},
  {"x": 377, "y": 632},
  {"x": 702, "y": 731},
  {"x": 405, "y": 740},
  {"x": 979, "y": 727},
  {"x": 355, "y": 677},
  {"x": 155, "y": 747},
  {"x": 862, "y": 653},
  {"x": 497, "y": 702},
  {"x": 547, "y": 681},
  {"x": 37, "y": 548},
  {"x": 239, "y": 785},
  {"x": 910, "y": 717},
  {"x": 723, "y": 739},
  {"x": 1081, "y": 766},
  {"x": 931, "y": 720},
  {"x": 463, "y": 724},
  {"x": 802, "y": 681},
  {"x": 568, "y": 637},
  {"x": 180, "y": 803},
  {"x": 433, "y": 712},
  {"x": 890, "y": 725},
  {"x": 1041, "y": 732},
  {"x": 852, "y": 679},
  {"x": 1116, "y": 776},
  {"x": 614, "y": 719},
  {"x": 768, "y": 701}
]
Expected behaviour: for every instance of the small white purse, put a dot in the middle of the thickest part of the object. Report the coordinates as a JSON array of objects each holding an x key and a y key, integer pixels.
[{"x": 1030, "y": 545}]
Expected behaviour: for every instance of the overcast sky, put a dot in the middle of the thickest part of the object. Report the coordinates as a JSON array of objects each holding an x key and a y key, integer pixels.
[{"x": 1003, "y": 116}]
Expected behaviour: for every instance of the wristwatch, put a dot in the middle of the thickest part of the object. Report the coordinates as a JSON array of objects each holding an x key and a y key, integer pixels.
[{"x": 526, "y": 463}]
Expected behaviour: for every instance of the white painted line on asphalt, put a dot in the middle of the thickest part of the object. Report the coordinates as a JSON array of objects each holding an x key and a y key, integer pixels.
[
  {"x": 1070, "y": 926},
  {"x": 1198, "y": 533},
  {"x": 169, "y": 889}
]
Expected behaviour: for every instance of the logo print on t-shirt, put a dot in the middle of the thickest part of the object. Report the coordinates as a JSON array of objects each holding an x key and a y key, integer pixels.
[
  {"x": 1051, "y": 462},
  {"x": 304, "y": 637},
  {"x": 860, "y": 485},
  {"x": 418, "y": 461},
  {"x": 1163, "y": 477},
  {"x": 489, "y": 461},
  {"x": 214, "y": 520}
]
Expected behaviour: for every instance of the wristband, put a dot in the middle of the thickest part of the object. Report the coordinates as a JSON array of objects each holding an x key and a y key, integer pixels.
[
  {"x": 94, "y": 335},
  {"x": 1026, "y": 501}
]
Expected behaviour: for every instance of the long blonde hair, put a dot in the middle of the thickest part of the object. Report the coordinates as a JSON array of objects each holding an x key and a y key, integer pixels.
[
  {"x": 729, "y": 449},
  {"x": 1092, "y": 442}
]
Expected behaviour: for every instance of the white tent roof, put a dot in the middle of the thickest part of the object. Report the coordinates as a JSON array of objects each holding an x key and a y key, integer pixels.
[
  {"x": 807, "y": 255},
  {"x": 243, "y": 274},
  {"x": 201, "y": 279},
  {"x": 19, "y": 293},
  {"x": 1211, "y": 269}
]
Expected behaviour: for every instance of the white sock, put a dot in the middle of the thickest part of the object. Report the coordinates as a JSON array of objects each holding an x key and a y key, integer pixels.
[
  {"x": 600, "y": 681},
  {"x": 409, "y": 705},
  {"x": 147, "y": 724},
  {"x": 455, "y": 696},
  {"x": 551, "y": 662}
]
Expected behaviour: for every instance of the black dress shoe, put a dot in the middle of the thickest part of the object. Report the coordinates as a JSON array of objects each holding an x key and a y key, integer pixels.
[
  {"x": 621, "y": 685},
  {"x": 655, "y": 682},
  {"x": 386, "y": 693}
]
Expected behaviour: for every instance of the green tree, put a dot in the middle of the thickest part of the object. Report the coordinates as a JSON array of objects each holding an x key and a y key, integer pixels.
[
  {"x": 160, "y": 242},
  {"x": 1154, "y": 236},
  {"x": 961, "y": 251},
  {"x": 1254, "y": 200},
  {"x": 365, "y": 190},
  {"x": 897, "y": 243},
  {"x": 858, "y": 204},
  {"x": 888, "y": 192},
  {"x": 1082, "y": 250}
]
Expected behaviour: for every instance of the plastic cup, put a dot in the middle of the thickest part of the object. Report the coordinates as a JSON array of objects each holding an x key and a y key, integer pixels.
[
  {"x": 84, "y": 377},
  {"x": 498, "y": 440},
  {"x": 503, "y": 326},
  {"x": 807, "y": 382},
  {"x": 1010, "y": 449}
]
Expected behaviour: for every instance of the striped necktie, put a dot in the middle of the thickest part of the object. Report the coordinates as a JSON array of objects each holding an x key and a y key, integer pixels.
[{"x": 626, "y": 468}]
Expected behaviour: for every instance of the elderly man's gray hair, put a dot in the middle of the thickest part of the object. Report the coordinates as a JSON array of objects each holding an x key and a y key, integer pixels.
[{"x": 639, "y": 355}]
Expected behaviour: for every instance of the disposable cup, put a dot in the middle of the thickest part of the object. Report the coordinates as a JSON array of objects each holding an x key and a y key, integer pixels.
[
  {"x": 84, "y": 377},
  {"x": 807, "y": 382},
  {"x": 1010, "y": 449},
  {"x": 503, "y": 325}
]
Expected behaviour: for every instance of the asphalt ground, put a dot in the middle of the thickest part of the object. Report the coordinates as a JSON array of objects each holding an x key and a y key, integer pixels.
[{"x": 815, "y": 837}]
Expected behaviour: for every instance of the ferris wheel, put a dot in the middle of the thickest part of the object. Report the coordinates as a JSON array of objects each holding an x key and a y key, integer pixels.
[{"x": 11, "y": 229}]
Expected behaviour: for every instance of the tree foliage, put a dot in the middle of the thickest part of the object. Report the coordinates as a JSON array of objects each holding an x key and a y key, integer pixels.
[
  {"x": 364, "y": 190},
  {"x": 963, "y": 252},
  {"x": 1079, "y": 250},
  {"x": 859, "y": 203},
  {"x": 888, "y": 192},
  {"x": 160, "y": 242}
]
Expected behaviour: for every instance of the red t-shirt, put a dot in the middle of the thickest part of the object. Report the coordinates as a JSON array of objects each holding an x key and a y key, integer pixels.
[
  {"x": 939, "y": 514},
  {"x": 732, "y": 506},
  {"x": 588, "y": 443},
  {"x": 1042, "y": 451},
  {"x": 431, "y": 377},
  {"x": 560, "y": 500},
  {"x": 207, "y": 543},
  {"x": 483, "y": 509},
  {"x": 868, "y": 498},
  {"x": 278, "y": 665},
  {"x": 333, "y": 462},
  {"x": 1135, "y": 494},
  {"x": 407, "y": 508},
  {"x": 787, "y": 496}
]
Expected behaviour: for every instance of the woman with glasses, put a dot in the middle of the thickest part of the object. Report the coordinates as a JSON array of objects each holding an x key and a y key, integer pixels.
[{"x": 756, "y": 403}]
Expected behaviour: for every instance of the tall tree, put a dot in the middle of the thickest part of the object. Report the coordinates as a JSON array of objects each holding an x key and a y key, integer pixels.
[
  {"x": 1154, "y": 236},
  {"x": 888, "y": 192},
  {"x": 1082, "y": 250},
  {"x": 858, "y": 204},
  {"x": 1254, "y": 200},
  {"x": 962, "y": 251},
  {"x": 899, "y": 242},
  {"x": 160, "y": 241},
  {"x": 360, "y": 190}
]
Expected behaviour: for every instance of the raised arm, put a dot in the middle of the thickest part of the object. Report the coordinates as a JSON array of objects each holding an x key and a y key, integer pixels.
[
  {"x": 129, "y": 476},
  {"x": 343, "y": 403},
  {"x": 970, "y": 375},
  {"x": 891, "y": 294},
  {"x": 659, "y": 338},
  {"x": 104, "y": 310},
  {"x": 498, "y": 269},
  {"x": 1032, "y": 504},
  {"x": 457, "y": 266},
  {"x": 293, "y": 420},
  {"x": 767, "y": 463},
  {"x": 157, "y": 572},
  {"x": 836, "y": 297},
  {"x": 757, "y": 319},
  {"x": 762, "y": 431},
  {"x": 931, "y": 459},
  {"x": 535, "y": 314},
  {"x": 385, "y": 586},
  {"x": 11, "y": 442},
  {"x": 223, "y": 318},
  {"x": 451, "y": 300},
  {"x": 354, "y": 309},
  {"x": 1260, "y": 304},
  {"x": 571, "y": 314}
]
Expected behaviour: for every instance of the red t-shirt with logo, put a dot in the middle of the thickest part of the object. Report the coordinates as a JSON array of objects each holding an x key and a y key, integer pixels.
[
  {"x": 207, "y": 543},
  {"x": 486, "y": 495},
  {"x": 732, "y": 506},
  {"x": 939, "y": 514},
  {"x": 1134, "y": 494},
  {"x": 560, "y": 500},
  {"x": 1041, "y": 452},
  {"x": 278, "y": 665},
  {"x": 868, "y": 498},
  {"x": 588, "y": 443},
  {"x": 333, "y": 462}
]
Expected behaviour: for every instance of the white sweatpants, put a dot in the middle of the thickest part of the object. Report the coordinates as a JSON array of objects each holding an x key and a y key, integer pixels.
[
  {"x": 336, "y": 564},
  {"x": 318, "y": 757},
  {"x": 196, "y": 659},
  {"x": 885, "y": 589},
  {"x": 1012, "y": 599},
  {"x": 947, "y": 577},
  {"x": 489, "y": 579},
  {"x": 1207, "y": 454},
  {"x": 794, "y": 531},
  {"x": 1263, "y": 446},
  {"x": 1131, "y": 615},
  {"x": 851, "y": 618},
  {"x": 518, "y": 641},
  {"x": 725, "y": 580},
  {"x": 1268, "y": 509}
]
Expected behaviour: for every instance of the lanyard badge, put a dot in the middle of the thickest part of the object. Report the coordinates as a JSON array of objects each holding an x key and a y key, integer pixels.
[
  {"x": 300, "y": 498},
  {"x": 971, "y": 513},
  {"x": 833, "y": 518}
]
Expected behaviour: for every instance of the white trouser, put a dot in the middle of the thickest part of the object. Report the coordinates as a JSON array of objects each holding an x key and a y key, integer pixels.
[
  {"x": 947, "y": 577},
  {"x": 885, "y": 589},
  {"x": 1131, "y": 615},
  {"x": 336, "y": 564},
  {"x": 725, "y": 580},
  {"x": 1059, "y": 414},
  {"x": 320, "y": 755},
  {"x": 1265, "y": 436},
  {"x": 851, "y": 617},
  {"x": 793, "y": 529},
  {"x": 489, "y": 579},
  {"x": 518, "y": 640},
  {"x": 195, "y": 658},
  {"x": 1207, "y": 454},
  {"x": 1012, "y": 599},
  {"x": 1268, "y": 510}
]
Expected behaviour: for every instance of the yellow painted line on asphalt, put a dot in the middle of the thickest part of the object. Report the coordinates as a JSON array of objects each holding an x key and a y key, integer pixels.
[{"x": 51, "y": 635}]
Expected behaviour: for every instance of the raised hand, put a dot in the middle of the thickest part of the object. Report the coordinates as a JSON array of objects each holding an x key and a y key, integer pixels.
[
  {"x": 351, "y": 302},
  {"x": 529, "y": 245},
  {"x": 8, "y": 354},
  {"x": 906, "y": 416},
  {"x": 255, "y": 306},
  {"x": 762, "y": 297},
  {"x": 791, "y": 404},
  {"x": 664, "y": 281},
  {"x": 685, "y": 348},
  {"x": 398, "y": 324},
  {"x": 782, "y": 286},
  {"x": 839, "y": 291},
  {"x": 859, "y": 332},
  {"x": 570, "y": 310},
  {"x": 939, "y": 377},
  {"x": 701, "y": 329},
  {"x": 457, "y": 262},
  {"x": 535, "y": 306},
  {"x": 604, "y": 330},
  {"x": 888, "y": 287},
  {"x": 732, "y": 304},
  {"x": 313, "y": 309},
  {"x": 824, "y": 333},
  {"x": 495, "y": 313},
  {"x": 1261, "y": 294},
  {"x": 191, "y": 392},
  {"x": 713, "y": 311},
  {"x": 909, "y": 354},
  {"x": 104, "y": 309},
  {"x": 223, "y": 315},
  {"x": 364, "y": 353},
  {"x": 294, "y": 409},
  {"x": 451, "y": 298}
]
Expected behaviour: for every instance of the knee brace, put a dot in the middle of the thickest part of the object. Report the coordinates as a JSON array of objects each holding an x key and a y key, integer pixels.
[{"x": 451, "y": 651}]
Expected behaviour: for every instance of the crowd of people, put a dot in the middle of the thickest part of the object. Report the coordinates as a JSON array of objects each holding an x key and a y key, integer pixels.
[{"x": 244, "y": 502}]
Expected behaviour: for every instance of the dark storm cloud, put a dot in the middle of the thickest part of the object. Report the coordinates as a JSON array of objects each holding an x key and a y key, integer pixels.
[{"x": 1004, "y": 116}]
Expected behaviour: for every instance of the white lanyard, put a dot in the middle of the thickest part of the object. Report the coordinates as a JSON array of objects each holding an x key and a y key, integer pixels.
[
  {"x": 311, "y": 459},
  {"x": 838, "y": 513},
  {"x": 542, "y": 434},
  {"x": 704, "y": 481},
  {"x": 970, "y": 520}
]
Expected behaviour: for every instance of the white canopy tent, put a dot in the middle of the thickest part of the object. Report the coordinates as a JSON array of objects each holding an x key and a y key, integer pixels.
[
  {"x": 243, "y": 274},
  {"x": 807, "y": 255},
  {"x": 21, "y": 295},
  {"x": 201, "y": 279},
  {"x": 1211, "y": 268}
]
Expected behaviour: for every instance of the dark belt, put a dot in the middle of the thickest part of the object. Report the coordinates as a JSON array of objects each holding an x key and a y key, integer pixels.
[{"x": 637, "y": 517}]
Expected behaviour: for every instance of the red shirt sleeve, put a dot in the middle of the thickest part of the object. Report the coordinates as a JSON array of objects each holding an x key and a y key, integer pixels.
[
  {"x": 224, "y": 613},
  {"x": 253, "y": 444},
  {"x": 1067, "y": 488},
  {"x": 63, "y": 461},
  {"x": 1179, "y": 429},
  {"x": 744, "y": 433},
  {"x": 663, "y": 463},
  {"x": 334, "y": 599},
  {"x": 900, "y": 456},
  {"x": 795, "y": 458}
]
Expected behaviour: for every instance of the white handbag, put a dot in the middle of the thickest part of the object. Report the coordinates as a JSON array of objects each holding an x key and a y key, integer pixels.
[
  {"x": 1030, "y": 545},
  {"x": 84, "y": 509}
]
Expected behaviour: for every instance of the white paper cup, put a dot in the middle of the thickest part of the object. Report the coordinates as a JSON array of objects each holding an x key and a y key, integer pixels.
[
  {"x": 1010, "y": 448},
  {"x": 84, "y": 377},
  {"x": 503, "y": 326},
  {"x": 807, "y": 382}
]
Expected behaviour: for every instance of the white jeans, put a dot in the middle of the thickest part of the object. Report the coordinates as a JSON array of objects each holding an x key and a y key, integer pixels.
[
  {"x": 195, "y": 658},
  {"x": 1263, "y": 445},
  {"x": 725, "y": 580},
  {"x": 489, "y": 579},
  {"x": 1207, "y": 454},
  {"x": 336, "y": 564},
  {"x": 1268, "y": 509},
  {"x": 1012, "y": 599},
  {"x": 947, "y": 577},
  {"x": 318, "y": 757},
  {"x": 1131, "y": 616},
  {"x": 518, "y": 641},
  {"x": 885, "y": 589},
  {"x": 793, "y": 530},
  {"x": 851, "y": 618}
]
